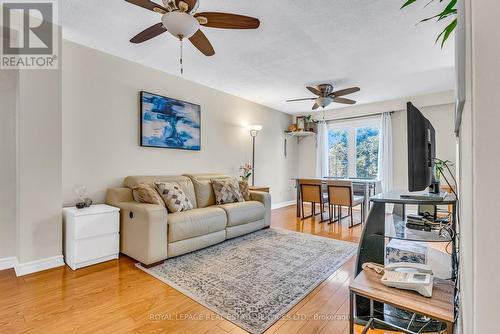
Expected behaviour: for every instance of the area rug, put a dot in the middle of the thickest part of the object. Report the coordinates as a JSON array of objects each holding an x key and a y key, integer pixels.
[{"x": 254, "y": 280}]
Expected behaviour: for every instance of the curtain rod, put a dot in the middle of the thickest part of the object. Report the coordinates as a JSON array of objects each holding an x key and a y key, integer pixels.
[{"x": 356, "y": 117}]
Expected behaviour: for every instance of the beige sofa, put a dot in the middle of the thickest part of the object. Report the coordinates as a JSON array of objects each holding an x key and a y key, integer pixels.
[{"x": 150, "y": 235}]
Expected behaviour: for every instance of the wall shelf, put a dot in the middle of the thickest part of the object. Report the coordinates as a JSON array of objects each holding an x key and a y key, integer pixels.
[{"x": 297, "y": 134}]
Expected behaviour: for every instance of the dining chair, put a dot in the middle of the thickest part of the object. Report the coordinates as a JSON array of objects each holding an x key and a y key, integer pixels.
[
  {"x": 311, "y": 191},
  {"x": 340, "y": 194}
]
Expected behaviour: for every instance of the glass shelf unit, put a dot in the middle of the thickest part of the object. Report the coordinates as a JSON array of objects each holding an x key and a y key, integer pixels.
[{"x": 395, "y": 227}]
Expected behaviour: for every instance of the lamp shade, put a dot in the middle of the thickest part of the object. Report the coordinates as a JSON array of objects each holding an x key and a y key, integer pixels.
[{"x": 254, "y": 129}]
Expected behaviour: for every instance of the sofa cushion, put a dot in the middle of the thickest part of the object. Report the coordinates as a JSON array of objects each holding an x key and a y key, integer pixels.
[
  {"x": 193, "y": 223},
  {"x": 245, "y": 190},
  {"x": 243, "y": 212},
  {"x": 184, "y": 183},
  {"x": 145, "y": 193},
  {"x": 173, "y": 196},
  {"x": 203, "y": 188},
  {"x": 227, "y": 191}
]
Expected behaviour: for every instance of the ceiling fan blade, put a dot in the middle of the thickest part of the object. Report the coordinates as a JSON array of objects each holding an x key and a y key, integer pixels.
[
  {"x": 343, "y": 100},
  {"x": 314, "y": 90},
  {"x": 149, "y": 5},
  {"x": 201, "y": 42},
  {"x": 304, "y": 99},
  {"x": 190, "y": 3},
  {"x": 345, "y": 91},
  {"x": 315, "y": 106},
  {"x": 229, "y": 21},
  {"x": 149, "y": 33}
]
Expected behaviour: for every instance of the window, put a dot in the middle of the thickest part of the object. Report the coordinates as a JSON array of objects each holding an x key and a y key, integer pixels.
[{"x": 353, "y": 149}]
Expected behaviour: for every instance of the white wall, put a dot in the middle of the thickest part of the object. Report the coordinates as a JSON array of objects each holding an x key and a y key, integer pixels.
[
  {"x": 101, "y": 128},
  {"x": 480, "y": 153},
  {"x": 8, "y": 97},
  {"x": 39, "y": 233},
  {"x": 440, "y": 115}
]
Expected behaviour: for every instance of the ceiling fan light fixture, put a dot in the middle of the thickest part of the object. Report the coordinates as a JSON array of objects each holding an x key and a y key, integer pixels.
[
  {"x": 180, "y": 24},
  {"x": 324, "y": 101}
]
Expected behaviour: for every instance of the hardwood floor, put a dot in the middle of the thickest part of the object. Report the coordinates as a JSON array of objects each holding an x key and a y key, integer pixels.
[{"x": 116, "y": 297}]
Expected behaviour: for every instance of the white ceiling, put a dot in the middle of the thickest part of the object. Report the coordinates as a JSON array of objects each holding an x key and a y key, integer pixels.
[{"x": 367, "y": 43}]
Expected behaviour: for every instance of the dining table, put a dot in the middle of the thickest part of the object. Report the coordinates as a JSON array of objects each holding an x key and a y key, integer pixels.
[{"x": 368, "y": 187}]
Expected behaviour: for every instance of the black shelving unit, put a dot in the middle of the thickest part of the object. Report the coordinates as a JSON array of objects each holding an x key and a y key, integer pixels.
[{"x": 380, "y": 227}]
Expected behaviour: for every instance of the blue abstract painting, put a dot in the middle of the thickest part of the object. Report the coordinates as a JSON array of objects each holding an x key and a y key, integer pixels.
[{"x": 169, "y": 123}]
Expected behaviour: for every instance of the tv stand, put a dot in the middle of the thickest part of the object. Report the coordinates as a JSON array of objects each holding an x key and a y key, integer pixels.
[
  {"x": 431, "y": 197},
  {"x": 378, "y": 229}
]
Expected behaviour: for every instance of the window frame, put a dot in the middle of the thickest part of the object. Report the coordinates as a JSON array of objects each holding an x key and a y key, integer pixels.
[{"x": 351, "y": 126}]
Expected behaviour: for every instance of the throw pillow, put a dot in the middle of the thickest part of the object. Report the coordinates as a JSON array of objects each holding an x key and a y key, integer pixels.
[
  {"x": 173, "y": 196},
  {"x": 146, "y": 193},
  {"x": 227, "y": 191},
  {"x": 245, "y": 190}
]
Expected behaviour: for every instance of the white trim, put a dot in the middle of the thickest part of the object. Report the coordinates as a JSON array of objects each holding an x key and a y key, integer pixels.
[
  {"x": 282, "y": 205},
  {"x": 8, "y": 262},
  {"x": 39, "y": 265}
]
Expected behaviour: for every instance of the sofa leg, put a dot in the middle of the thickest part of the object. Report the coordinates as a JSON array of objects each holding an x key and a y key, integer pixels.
[{"x": 147, "y": 266}]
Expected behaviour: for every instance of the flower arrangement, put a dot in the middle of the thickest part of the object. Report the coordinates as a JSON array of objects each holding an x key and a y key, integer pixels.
[{"x": 246, "y": 171}]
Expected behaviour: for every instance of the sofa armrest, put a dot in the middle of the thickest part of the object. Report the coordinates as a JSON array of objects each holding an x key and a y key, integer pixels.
[
  {"x": 143, "y": 231},
  {"x": 264, "y": 198}
]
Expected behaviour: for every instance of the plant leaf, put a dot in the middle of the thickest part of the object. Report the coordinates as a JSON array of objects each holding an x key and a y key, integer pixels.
[
  {"x": 407, "y": 3},
  {"x": 449, "y": 10},
  {"x": 447, "y": 32}
]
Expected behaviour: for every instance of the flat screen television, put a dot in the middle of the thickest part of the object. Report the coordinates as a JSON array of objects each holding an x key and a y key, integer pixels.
[{"x": 421, "y": 150}]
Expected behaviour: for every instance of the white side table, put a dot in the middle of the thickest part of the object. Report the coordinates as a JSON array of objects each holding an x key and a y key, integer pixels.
[{"x": 91, "y": 235}]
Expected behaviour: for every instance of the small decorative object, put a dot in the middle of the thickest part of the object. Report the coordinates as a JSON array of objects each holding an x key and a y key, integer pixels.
[
  {"x": 83, "y": 202},
  {"x": 169, "y": 123},
  {"x": 246, "y": 172},
  {"x": 292, "y": 128},
  {"x": 301, "y": 123}
]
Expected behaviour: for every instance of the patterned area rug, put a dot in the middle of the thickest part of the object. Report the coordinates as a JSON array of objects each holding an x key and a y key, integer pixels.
[{"x": 254, "y": 280}]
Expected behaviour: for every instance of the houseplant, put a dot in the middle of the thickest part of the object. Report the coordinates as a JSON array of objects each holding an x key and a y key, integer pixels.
[
  {"x": 246, "y": 171},
  {"x": 449, "y": 11},
  {"x": 440, "y": 166}
]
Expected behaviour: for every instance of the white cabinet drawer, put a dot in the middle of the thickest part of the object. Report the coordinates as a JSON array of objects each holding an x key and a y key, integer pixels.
[
  {"x": 97, "y": 247},
  {"x": 93, "y": 225}
]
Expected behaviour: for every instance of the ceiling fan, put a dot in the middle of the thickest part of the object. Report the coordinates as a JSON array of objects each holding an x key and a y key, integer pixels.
[
  {"x": 179, "y": 18},
  {"x": 326, "y": 95}
]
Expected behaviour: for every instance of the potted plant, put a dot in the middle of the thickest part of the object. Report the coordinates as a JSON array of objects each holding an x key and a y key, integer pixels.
[
  {"x": 310, "y": 123},
  {"x": 246, "y": 171},
  {"x": 440, "y": 166}
]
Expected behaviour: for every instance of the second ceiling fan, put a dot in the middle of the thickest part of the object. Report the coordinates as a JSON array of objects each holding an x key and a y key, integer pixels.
[
  {"x": 326, "y": 95},
  {"x": 179, "y": 18}
]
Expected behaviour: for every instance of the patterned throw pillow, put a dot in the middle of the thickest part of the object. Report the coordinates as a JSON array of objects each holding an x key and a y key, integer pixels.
[
  {"x": 245, "y": 190},
  {"x": 146, "y": 193},
  {"x": 174, "y": 197},
  {"x": 227, "y": 191}
]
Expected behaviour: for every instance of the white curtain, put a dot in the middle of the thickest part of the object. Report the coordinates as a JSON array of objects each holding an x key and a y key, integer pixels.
[
  {"x": 385, "y": 159},
  {"x": 322, "y": 150}
]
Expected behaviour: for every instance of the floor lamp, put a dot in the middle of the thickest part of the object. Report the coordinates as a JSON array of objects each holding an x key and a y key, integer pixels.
[{"x": 254, "y": 130}]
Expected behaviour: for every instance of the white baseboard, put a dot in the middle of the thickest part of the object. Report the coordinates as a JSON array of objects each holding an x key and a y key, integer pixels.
[
  {"x": 39, "y": 265},
  {"x": 8, "y": 262},
  {"x": 282, "y": 205}
]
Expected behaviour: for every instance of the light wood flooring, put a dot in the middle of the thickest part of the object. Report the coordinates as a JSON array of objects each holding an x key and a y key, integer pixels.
[{"x": 116, "y": 297}]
